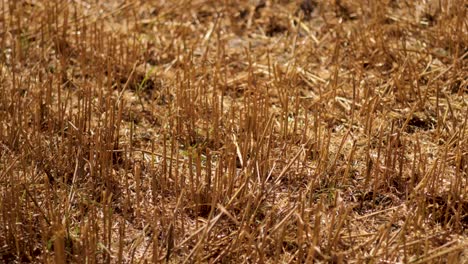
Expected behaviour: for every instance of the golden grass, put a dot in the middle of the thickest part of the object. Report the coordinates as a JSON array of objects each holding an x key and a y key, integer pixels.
[{"x": 233, "y": 131}]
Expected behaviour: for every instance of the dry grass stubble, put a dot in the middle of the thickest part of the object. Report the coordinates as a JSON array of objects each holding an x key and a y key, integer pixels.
[{"x": 233, "y": 131}]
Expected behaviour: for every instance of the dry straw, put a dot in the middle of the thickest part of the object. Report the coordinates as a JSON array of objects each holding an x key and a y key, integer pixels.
[{"x": 260, "y": 131}]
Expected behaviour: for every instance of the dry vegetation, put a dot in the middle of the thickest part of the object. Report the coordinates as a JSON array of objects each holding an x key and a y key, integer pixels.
[{"x": 233, "y": 131}]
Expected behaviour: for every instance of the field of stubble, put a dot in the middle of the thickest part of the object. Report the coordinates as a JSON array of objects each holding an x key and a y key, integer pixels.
[{"x": 260, "y": 131}]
